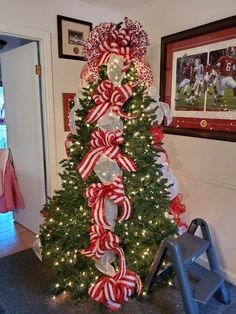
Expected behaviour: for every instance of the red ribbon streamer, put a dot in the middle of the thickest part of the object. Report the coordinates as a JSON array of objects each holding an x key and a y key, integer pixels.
[
  {"x": 105, "y": 143},
  {"x": 98, "y": 192},
  {"x": 100, "y": 241},
  {"x": 108, "y": 96},
  {"x": 113, "y": 291}
]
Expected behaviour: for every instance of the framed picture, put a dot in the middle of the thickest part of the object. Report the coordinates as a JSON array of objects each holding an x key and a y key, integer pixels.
[
  {"x": 68, "y": 100},
  {"x": 71, "y": 36},
  {"x": 198, "y": 80}
]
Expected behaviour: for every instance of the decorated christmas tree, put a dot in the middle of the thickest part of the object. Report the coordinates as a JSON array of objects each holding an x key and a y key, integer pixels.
[{"x": 118, "y": 198}]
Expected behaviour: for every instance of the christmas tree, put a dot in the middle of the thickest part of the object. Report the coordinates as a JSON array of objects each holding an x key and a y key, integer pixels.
[{"x": 118, "y": 199}]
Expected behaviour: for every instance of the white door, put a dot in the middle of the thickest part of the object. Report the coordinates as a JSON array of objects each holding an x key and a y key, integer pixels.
[{"x": 24, "y": 130}]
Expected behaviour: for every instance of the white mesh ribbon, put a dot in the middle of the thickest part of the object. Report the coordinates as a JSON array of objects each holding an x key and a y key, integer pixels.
[
  {"x": 110, "y": 122},
  {"x": 104, "y": 264},
  {"x": 38, "y": 249},
  {"x": 111, "y": 213},
  {"x": 115, "y": 69},
  {"x": 174, "y": 189},
  {"x": 72, "y": 112},
  {"x": 107, "y": 169},
  {"x": 162, "y": 110}
]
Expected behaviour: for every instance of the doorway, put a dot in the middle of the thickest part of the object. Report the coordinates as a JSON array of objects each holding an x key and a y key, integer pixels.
[{"x": 19, "y": 237}]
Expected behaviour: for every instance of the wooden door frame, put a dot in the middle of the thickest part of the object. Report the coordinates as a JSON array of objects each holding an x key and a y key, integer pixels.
[{"x": 44, "y": 39}]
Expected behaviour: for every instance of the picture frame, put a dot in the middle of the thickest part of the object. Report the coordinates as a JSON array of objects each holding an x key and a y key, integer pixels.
[
  {"x": 71, "y": 36},
  {"x": 67, "y": 99},
  {"x": 212, "y": 113}
]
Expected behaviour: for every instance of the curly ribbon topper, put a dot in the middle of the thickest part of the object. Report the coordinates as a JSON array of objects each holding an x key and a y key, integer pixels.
[
  {"x": 100, "y": 241},
  {"x": 108, "y": 97},
  {"x": 120, "y": 36},
  {"x": 105, "y": 143},
  {"x": 116, "y": 44},
  {"x": 98, "y": 192},
  {"x": 113, "y": 291}
]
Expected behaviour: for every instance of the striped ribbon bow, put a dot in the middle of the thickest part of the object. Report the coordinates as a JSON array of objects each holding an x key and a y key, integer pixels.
[
  {"x": 98, "y": 192},
  {"x": 113, "y": 291},
  {"x": 116, "y": 44},
  {"x": 100, "y": 241},
  {"x": 105, "y": 143},
  {"x": 108, "y": 48},
  {"x": 121, "y": 36},
  {"x": 109, "y": 96}
]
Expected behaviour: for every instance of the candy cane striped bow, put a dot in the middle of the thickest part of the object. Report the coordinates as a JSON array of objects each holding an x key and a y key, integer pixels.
[
  {"x": 109, "y": 96},
  {"x": 121, "y": 36},
  {"x": 116, "y": 44},
  {"x": 105, "y": 143},
  {"x": 98, "y": 192},
  {"x": 113, "y": 291},
  {"x": 100, "y": 242}
]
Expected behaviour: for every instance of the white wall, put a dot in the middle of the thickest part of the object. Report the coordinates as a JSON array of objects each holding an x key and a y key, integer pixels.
[
  {"x": 205, "y": 168},
  {"x": 42, "y": 15}
]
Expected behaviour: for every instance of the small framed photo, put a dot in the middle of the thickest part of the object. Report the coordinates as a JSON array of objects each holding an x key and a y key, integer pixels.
[
  {"x": 72, "y": 34},
  {"x": 68, "y": 102},
  {"x": 198, "y": 80}
]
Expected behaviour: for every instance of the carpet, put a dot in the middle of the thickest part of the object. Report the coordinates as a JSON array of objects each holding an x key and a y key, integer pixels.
[{"x": 24, "y": 280}]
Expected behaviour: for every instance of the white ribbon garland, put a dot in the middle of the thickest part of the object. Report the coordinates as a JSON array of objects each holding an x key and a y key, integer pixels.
[
  {"x": 72, "y": 113},
  {"x": 167, "y": 174},
  {"x": 162, "y": 110}
]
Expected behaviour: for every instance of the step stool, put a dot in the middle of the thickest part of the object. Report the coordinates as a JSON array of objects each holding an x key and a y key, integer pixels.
[{"x": 180, "y": 253}]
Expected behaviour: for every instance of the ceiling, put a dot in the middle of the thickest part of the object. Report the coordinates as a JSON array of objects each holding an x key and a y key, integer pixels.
[{"x": 119, "y": 5}]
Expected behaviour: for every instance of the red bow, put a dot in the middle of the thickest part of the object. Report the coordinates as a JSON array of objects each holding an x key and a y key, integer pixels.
[
  {"x": 105, "y": 143},
  {"x": 177, "y": 208},
  {"x": 157, "y": 131},
  {"x": 112, "y": 291},
  {"x": 98, "y": 192},
  {"x": 108, "y": 97},
  {"x": 100, "y": 242}
]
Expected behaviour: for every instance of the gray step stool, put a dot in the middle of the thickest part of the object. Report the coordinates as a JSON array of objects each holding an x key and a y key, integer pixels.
[{"x": 180, "y": 253}]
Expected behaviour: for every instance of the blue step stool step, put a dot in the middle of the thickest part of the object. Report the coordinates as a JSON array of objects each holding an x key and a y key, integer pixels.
[
  {"x": 191, "y": 248},
  {"x": 207, "y": 286}
]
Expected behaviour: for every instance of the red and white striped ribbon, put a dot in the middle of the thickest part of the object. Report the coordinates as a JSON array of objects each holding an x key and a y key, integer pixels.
[
  {"x": 121, "y": 36},
  {"x": 113, "y": 291},
  {"x": 105, "y": 143},
  {"x": 98, "y": 192},
  {"x": 110, "y": 96},
  {"x": 100, "y": 241},
  {"x": 108, "y": 48}
]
